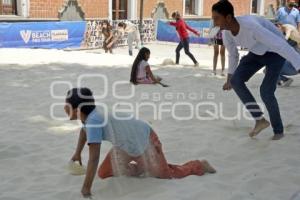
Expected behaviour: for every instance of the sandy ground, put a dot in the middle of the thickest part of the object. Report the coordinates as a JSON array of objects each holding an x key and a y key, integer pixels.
[{"x": 35, "y": 147}]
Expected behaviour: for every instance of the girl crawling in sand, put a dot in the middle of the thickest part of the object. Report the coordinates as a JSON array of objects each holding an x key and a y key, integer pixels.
[
  {"x": 136, "y": 149},
  {"x": 140, "y": 71}
]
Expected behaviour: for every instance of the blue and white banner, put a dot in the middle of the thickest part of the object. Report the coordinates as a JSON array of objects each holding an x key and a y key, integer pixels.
[
  {"x": 166, "y": 32},
  {"x": 57, "y": 35}
]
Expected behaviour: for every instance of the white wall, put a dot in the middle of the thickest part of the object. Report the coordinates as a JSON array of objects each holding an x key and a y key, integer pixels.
[
  {"x": 260, "y": 7},
  {"x": 110, "y": 9},
  {"x": 132, "y": 9},
  {"x": 23, "y": 7},
  {"x": 199, "y": 7}
]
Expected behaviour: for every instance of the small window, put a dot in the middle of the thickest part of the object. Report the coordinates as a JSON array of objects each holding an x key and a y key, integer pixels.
[
  {"x": 190, "y": 7},
  {"x": 8, "y": 7},
  {"x": 119, "y": 9}
]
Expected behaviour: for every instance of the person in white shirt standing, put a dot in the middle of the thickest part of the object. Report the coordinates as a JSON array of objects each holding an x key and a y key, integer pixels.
[
  {"x": 133, "y": 34},
  {"x": 267, "y": 47}
]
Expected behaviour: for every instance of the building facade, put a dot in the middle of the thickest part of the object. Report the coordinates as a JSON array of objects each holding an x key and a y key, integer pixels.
[{"x": 126, "y": 9}]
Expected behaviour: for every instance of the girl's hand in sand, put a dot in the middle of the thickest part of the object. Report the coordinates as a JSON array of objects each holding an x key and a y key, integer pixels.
[
  {"x": 86, "y": 192},
  {"x": 77, "y": 157},
  {"x": 227, "y": 85}
]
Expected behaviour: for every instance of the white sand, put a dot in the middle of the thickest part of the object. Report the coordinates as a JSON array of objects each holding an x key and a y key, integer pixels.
[{"x": 34, "y": 148}]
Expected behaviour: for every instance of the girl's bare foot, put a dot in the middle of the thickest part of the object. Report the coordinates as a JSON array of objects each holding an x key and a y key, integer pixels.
[
  {"x": 207, "y": 167},
  {"x": 259, "y": 126}
]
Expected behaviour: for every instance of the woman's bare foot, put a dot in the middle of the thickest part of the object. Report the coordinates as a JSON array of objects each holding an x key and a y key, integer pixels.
[
  {"x": 259, "y": 126},
  {"x": 207, "y": 167}
]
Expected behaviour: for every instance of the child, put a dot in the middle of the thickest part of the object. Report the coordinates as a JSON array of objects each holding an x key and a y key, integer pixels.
[
  {"x": 136, "y": 148},
  {"x": 140, "y": 71},
  {"x": 218, "y": 48},
  {"x": 108, "y": 36},
  {"x": 133, "y": 34},
  {"x": 182, "y": 29}
]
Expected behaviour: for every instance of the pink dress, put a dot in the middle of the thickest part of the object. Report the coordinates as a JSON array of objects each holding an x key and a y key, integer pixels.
[{"x": 142, "y": 76}]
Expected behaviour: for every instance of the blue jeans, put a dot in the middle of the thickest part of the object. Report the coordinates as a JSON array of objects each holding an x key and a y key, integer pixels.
[
  {"x": 287, "y": 70},
  {"x": 185, "y": 43},
  {"x": 248, "y": 66}
]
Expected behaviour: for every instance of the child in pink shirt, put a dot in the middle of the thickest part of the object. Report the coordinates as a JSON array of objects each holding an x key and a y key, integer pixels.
[{"x": 141, "y": 72}]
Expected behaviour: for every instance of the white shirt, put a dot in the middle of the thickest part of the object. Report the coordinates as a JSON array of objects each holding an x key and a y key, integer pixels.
[
  {"x": 130, "y": 27},
  {"x": 258, "y": 35},
  {"x": 142, "y": 69}
]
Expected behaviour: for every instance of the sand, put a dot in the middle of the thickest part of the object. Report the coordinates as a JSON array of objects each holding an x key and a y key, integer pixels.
[{"x": 35, "y": 147}]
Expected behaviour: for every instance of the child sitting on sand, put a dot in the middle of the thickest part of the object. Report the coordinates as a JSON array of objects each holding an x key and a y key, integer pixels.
[
  {"x": 140, "y": 71},
  {"x": 136, "y": 148}
]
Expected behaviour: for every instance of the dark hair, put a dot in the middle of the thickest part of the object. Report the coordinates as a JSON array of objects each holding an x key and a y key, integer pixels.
[
  {"x": 223, "y": 7},
  {"x": 291, "y": 4},
  {"x": 141, "y": 56},
  {"x": 122, "y": 24},
  {"x": 106, "y": 22},
  {"x": 81, "y": 98},
  {"x": 108, "y": 29},
  {"x": 175, "y": 14}
]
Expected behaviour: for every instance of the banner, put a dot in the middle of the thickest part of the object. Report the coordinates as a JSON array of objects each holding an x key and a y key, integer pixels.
[
  {"x": 57, "y": 35},
  {"x": 94, "y": 38},
  {"x": 166, "y": 32}
]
